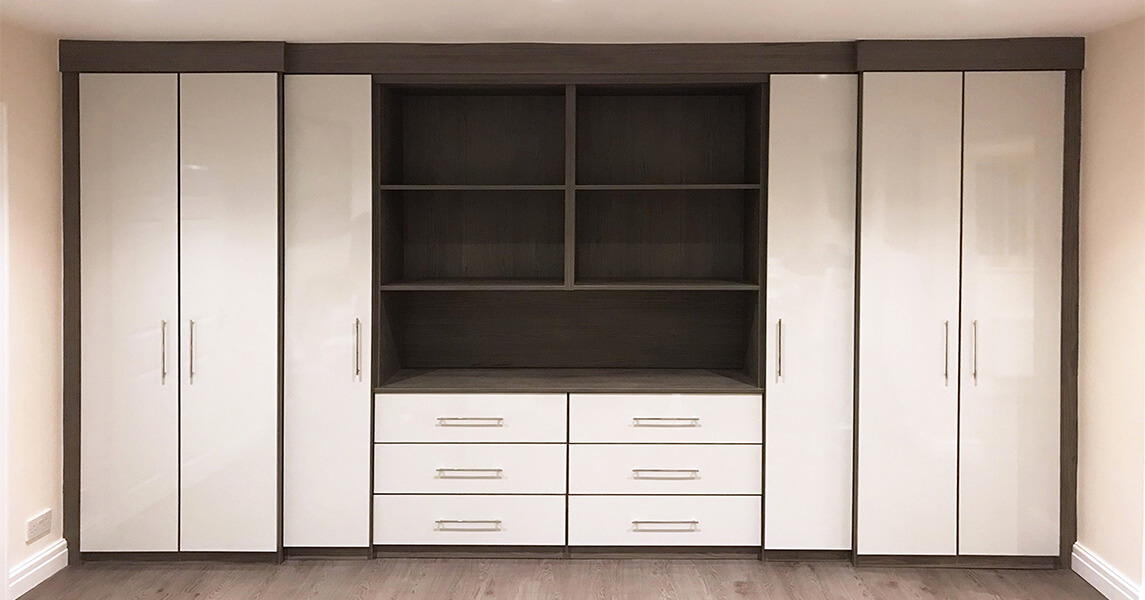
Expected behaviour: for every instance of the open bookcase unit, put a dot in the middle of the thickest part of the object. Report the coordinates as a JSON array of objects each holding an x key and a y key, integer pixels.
[{"x": 593, "y": 238}]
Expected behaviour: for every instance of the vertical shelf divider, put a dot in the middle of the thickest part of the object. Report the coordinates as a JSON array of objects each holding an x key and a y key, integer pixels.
[{"x": 570, "y": 186}]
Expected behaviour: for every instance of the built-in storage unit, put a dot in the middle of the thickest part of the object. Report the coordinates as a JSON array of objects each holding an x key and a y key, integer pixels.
[
  {"x": 180, "y": 230},
  {"x": 959, "y": 314},
  {"x": 810, "y": 311},
  {"x": 328, "y": 238},
  {"x": 530, "y": 228},
  {"x": 325, "y": 299}
]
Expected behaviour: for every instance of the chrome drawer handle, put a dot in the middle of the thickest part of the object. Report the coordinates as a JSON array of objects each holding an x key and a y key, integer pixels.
[
  {"x": 464, "y": 525},
  {"x": 470, "y": 422},
  {"x": 470, "y": 473},
  {"x": 665, "y": 421},
  {"x": 665, "y": 526},
  {"x": 665, "y": 473}
]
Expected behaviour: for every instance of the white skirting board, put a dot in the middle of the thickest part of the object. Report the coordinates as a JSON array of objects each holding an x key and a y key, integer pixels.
[
  {"x": 1102, "y": 576},
  {"x": 36, "y": 569}
]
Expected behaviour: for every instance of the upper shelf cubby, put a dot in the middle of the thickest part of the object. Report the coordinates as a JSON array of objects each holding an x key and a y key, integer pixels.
[
  {"x": 472, "y": 136},
  {"x": 656, "y": 135}
]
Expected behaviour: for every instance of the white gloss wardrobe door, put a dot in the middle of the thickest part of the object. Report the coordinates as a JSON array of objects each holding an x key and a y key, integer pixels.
[
  {"x": 129, "y": 455},
  {"x": 229, "y": 295},
  {"x": 908, "y": 313},
  {"x": 327, "y": 394},
  {"x": 810, "y": 308},
  {"x": 1010, "y": 466}
]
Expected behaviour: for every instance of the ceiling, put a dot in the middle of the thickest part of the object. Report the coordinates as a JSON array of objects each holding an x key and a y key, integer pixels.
[{"x": 565, "y": 20}]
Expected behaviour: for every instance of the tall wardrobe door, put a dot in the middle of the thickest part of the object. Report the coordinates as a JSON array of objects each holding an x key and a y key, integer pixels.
[
  {"x": 229, "y": 295},
  {"x": 326, "y": 411},
  {"x": 1011, "y": 314},
  {"x": 810, "y": 308},
  {"x": 129, "y": 199},
  {"x": 908, "y": 313}
]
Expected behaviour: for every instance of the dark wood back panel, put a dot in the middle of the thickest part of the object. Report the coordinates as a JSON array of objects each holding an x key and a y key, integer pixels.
[
  {"x": 482, "y": 139},
  {"x": 685, "y": 234},
  {"x": 482, "y": 234},
  {"x": 661, "y": 139}
]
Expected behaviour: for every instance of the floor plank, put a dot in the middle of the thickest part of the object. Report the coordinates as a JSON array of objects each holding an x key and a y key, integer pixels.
[{"x": 538, "y": 579}]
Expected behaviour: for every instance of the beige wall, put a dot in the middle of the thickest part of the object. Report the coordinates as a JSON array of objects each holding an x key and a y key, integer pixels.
[
  {"x": 1112, "y": 362},
  {"x": 30, "y": 86}
]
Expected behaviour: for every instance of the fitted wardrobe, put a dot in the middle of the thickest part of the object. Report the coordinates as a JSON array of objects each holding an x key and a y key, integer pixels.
[{"x": 812, "y": 301}]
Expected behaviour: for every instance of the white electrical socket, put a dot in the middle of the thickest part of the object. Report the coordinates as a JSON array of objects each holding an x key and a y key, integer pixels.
[{"x": 39, "y": 526}]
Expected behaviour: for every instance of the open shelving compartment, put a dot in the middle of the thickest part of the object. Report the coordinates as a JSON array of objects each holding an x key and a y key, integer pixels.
[{"x": 571, "y": 238}]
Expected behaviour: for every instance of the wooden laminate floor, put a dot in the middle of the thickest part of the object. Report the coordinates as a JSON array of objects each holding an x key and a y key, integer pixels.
[{"x": 495, "y": 579}]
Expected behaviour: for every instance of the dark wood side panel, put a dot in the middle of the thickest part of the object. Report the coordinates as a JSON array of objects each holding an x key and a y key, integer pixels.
[
  {"x": 1071, "y": 193},
  {"x": 280, "y": 553},
  {"x": 858, "y": 275},
  {"x": 83, "y": 56},
  {"x": 571, "y": 59},
  {"x": 70, "y": 92},
  {"x": 1009, "y": 54}
]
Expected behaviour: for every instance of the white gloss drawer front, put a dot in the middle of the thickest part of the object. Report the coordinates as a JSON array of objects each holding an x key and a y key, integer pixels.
[
  {"x": 470, "y": 418},
  {"x": 664, "y": 520},
  {"x": 469, "y": 468},
  {"x": 665, "y": 469},
  {"x": 469, "y": 520},
  {"x": 666, "y": 418}
]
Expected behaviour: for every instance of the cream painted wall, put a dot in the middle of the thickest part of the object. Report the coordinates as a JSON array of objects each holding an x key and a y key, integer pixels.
[
  {"x": 30, "y": 86},
  {"x": 1111, "y": 496}
]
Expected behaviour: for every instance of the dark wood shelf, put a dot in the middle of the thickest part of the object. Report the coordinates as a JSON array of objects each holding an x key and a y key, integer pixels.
[
  {"x": 652, "y": 187},
  {"x": 450, "y": 187},
  {"x": 567, "y": 380},
  {"x": 664, "y": 284},
  {"x": 460, "y": 284}
]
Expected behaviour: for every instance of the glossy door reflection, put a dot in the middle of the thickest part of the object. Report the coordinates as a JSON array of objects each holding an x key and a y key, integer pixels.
[
  {"x": 129, "y": 488},
  {"x": 328, "y": 237},
  {"x": 1011, "y": 299},
  {"x": 908, "y": 313},
  {"x": 810, "y": 290},
  {"x": 229, "y": 288}
]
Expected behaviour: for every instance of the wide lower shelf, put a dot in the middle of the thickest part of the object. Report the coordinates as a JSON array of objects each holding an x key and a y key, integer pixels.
[
  {"x": 524, "y": 284},
  {"x": 567, "y": 380},
  {"x": 474, "y": 284}
]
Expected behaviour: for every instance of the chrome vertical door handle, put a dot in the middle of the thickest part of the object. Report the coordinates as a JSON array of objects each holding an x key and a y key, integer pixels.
[
  {"x": 778, "y": 350},
  {"x": 192, "y": 354},
  {"x": 358, "y": 349},
  {"x": 163, "y": 341},
  {"x": 946, "y": 352},
  {"x": 974, "y": 350}
]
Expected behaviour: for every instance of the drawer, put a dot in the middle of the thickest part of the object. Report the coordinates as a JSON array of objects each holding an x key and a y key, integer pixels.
[
  {"x": 469, "y": 520},
  {"x": 666, "y": 418},
  {"x": 664, "y": 520},
  {"x": 470, "y": 418},
  {"x": 469, "y": 468},
  {"x": 665, "y": 469}
]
